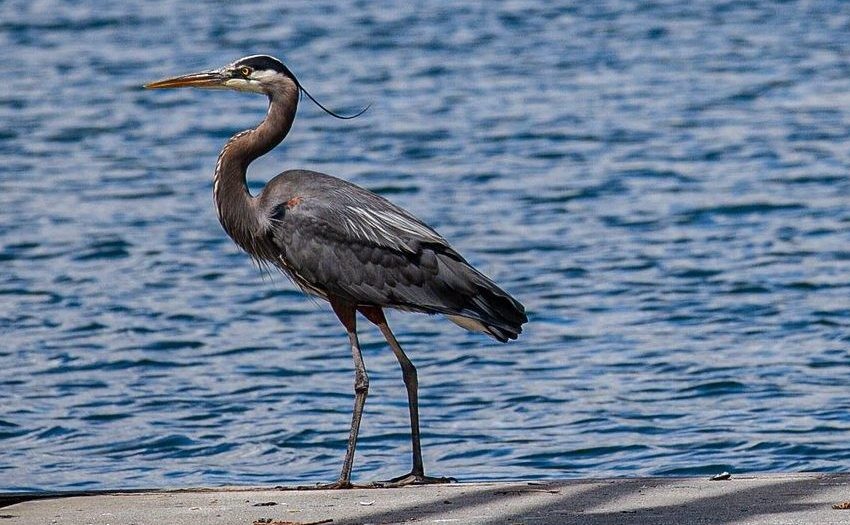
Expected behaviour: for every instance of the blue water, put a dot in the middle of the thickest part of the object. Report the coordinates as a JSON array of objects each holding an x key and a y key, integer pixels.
[{"x": 665, "y": 187}]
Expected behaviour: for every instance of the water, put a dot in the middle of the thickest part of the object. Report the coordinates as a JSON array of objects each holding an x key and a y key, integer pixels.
[{"x": 664, "y": 186}]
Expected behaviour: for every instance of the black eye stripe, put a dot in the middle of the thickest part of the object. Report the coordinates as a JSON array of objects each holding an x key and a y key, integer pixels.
[{"x": 263, "y": 63}]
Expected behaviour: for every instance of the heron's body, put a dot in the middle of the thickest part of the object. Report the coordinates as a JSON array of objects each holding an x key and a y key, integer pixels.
[
  {"x": 343, "y": 243},
  {"x": 336, "y": 239}
]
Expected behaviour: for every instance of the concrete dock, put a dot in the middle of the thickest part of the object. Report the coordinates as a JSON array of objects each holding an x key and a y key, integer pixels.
[{"x": 746, "y": 499}]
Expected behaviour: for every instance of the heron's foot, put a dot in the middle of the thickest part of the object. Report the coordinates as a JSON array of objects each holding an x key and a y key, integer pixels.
[
  {"x": 336, "y": 485},
  {"x": 412, "y": 479}
]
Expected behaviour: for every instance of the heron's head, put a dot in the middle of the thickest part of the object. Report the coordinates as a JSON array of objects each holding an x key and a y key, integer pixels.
[{"x": 255, "y": 73}]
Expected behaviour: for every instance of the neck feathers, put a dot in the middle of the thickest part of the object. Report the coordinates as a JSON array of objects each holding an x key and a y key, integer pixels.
[{"x": 234, "y": 203}]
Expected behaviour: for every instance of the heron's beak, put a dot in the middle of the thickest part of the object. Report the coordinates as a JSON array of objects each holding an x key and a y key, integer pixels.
[{"x": 205, "y": 79}]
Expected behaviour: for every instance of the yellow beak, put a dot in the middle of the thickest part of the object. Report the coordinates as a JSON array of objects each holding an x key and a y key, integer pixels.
[{"x": 204, "y": 79}]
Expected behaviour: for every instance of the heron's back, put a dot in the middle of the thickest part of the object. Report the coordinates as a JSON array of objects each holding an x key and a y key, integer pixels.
[{"x": 334, "y": 238}]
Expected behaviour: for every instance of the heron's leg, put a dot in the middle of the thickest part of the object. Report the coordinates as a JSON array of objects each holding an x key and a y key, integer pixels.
[
  {"x": 411, "y": 382},
  {"x": 346, "y": 314}
]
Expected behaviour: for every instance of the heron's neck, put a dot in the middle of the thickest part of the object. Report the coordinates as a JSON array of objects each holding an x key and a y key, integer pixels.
[{"x": 236, "y": 206}]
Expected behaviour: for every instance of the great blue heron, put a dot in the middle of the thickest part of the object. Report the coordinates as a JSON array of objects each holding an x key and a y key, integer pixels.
[{"x": 342, "y": 243}]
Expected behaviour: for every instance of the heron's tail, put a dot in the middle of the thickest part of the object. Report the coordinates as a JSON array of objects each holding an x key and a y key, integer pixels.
[{"x": 486, "y": 307}]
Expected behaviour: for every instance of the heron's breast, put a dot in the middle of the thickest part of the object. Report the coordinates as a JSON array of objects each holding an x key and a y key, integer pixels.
[{"x": 306, "y": 285}]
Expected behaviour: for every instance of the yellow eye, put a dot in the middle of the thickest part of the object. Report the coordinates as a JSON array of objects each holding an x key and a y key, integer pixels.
[{"x": 245, "y": 70}]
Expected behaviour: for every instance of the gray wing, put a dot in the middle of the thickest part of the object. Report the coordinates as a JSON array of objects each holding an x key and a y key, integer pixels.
[
  {"x": 335, "y": 238},
  {"x": 355, "y": 245}
]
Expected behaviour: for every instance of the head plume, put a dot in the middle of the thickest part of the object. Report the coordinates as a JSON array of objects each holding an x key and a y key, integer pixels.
[{"x": 269, "y": 63}]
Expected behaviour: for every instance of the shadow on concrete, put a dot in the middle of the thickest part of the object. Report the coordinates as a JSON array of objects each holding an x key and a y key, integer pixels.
[
  {"x": 735, "y": 503},
  {"x": 597, "y": 502},
  {"x": 501, "y": 500}
]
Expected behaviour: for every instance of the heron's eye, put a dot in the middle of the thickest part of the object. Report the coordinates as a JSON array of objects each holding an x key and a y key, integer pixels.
[{"x": 245, "y": 70}]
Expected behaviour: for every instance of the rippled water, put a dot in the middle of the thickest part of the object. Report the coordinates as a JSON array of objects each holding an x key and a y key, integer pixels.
[{"x": 664, "y": 186}]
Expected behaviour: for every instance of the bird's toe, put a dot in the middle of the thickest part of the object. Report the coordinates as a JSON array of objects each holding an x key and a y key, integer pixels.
[
  {"x": 336, "y": 485},
  {"x": 413, "y": 479}
]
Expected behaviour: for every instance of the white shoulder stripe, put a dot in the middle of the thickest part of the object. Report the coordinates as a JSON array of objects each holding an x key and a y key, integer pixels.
[{"x": 382, "y": 223}]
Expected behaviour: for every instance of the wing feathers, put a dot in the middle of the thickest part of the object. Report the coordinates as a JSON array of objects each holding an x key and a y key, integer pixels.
[{"x": 344, "y": 241}]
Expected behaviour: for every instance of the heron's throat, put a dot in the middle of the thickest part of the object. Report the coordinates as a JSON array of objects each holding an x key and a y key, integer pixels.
[{"x": 236, "y": 207}]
